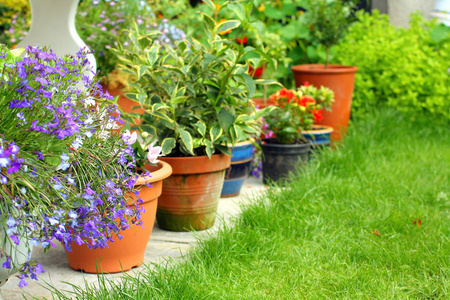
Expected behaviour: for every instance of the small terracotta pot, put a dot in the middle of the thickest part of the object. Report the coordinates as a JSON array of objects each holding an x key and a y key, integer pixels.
[
  {"x": 190, "y": 196},
  {"x": 128, "y": 252},
  {"x": 262, "y": 103},
  {"x": 125, "y": 103},
  {"x": 340, "y": 79}
]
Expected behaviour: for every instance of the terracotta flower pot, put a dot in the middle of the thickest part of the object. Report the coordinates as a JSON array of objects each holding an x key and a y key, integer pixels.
[
  {"x": 129, "y": 251},
  {"x": 125, "y": 103},
  {"x": 340, "y": 79},
  {"x": 262, "y": 103},
  {"x": 191, "y": 195}
]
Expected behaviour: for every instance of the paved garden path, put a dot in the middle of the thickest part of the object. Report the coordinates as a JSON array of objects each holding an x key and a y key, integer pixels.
[{"x": 162, "y": 245}]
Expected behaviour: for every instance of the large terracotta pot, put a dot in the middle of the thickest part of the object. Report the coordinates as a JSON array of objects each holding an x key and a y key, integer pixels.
[
  {"x": 129, "y": 251},
  {"x": 190, "y": 196},
  {"x": 340, "y": 79}
]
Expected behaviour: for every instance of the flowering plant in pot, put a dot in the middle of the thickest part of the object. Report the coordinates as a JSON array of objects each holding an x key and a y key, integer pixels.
[
  {"x": 65, "y": 174},
  {"x": 196, "y": 101},
  {"x": 296, "y": 111},
  {"x": 328, "y": 21}
]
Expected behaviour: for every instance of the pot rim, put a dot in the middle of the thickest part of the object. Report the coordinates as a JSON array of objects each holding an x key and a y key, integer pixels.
[
  {"x": 278, "y": 145},
  {"x": 319, "y": 129},
  {"x": 197, "y": 164},
  {"x": 320, "y": 69},
  {"x": 162, "y": 171}
]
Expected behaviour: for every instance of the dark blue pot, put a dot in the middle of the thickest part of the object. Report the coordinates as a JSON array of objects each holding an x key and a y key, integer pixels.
[
  {"x": 319, "y": 135},
  {"x": 238, "y": 171}
]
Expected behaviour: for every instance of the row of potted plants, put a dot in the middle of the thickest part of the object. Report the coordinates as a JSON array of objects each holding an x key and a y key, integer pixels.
[{"x": 84, "y": 165}]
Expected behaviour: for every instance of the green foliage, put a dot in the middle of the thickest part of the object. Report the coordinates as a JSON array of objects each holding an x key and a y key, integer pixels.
[
  {"x": 196, "y": 95},
  {"x": 328, "y": 21},
  {"x": 296, "y": 111},
  {"x": 403, "y": 68},
  {"x": 15, "y": 20}
]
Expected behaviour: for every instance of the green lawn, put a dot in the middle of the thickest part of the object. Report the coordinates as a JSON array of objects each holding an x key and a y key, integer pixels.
[{"x": 368, "y": 220}]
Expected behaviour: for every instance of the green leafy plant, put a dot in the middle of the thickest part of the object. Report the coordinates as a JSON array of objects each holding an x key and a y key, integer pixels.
[
  {"x": 403, "y": 68},
  {"x": 196, "y": 95},
  {"x": 328, "y": 21},
  {"x": 297, "y": 110}
]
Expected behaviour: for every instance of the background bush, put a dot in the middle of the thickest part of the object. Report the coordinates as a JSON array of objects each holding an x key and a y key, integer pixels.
[{"x": 403, "y": 68}]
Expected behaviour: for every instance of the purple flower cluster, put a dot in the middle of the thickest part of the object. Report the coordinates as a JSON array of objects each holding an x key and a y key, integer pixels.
[
  {"x": 66, "y": 170},
  {"x": 9, "y": 159}
]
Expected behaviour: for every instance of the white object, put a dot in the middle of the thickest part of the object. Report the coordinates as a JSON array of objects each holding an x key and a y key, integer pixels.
[
  {"x": 53, "y": 25},
  {"x": 442, "y": 5},
  {"x": 442, "y": 11},
  {"x": 19, "y": 254},
  {"x": 400, "y": 10}
]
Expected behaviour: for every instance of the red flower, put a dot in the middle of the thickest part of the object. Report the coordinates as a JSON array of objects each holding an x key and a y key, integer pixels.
[
  {"x": 306, "y": 100},
  {"x": 255, "y": 73},
  {"x": 317, "y": 115},
  {"x": 243, "y": 41},
  {"x": 306, "y": 83}
]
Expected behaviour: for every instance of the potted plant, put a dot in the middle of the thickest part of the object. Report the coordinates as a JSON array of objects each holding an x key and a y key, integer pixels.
[
  {"x": 101, "y": 24},
  {"x": 296, "y": 111},
  {"x": 128, "y": 249},
  {"x": 196, "y": 101},
  {"x": 328, "y": 21},
  {"x": 65, "y": 173}
]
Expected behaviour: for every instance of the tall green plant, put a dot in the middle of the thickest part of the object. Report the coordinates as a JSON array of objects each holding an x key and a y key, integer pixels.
[
  {"x": 196, "y": 95},
  {"x": 328, "y": 21}
]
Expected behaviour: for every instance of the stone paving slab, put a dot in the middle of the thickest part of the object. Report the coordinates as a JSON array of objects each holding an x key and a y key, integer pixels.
[{"x": 162, "y": 246}]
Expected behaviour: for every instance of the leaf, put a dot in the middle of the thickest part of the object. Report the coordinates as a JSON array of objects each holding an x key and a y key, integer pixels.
[
  {"x": 186, "y": 139},
  {"x": 141, "y": 71},
  {"x": 209, "y": 151},
  {"x": 152, "y": 54},
  {"x": 227, "y": 25},
  {"x": 250, "y": 84},
  {"x": 209, "y": 22},
  {"x": 240, "y": 135},
  {"x": 238, "y": 9},
  {"x": 215, "y": 132},
  {"x": 210, "y": 4},
  {"x": 167, "y": 145},
  {"x": 258, "y": 25},
  {"x": 226, "y": 119},
  {"x": 178, "y": 100},
  {"x": 201, "y": 127},
  {"x": 137, "y": 97},
  {"x": 133, "y": 38},
  {"x": 223, "y": 149}
]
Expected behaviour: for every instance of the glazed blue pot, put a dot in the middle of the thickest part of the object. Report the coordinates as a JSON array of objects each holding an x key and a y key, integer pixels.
[
  {"x": 241, "y": 160},
  {"x": 319, "y": 135}
]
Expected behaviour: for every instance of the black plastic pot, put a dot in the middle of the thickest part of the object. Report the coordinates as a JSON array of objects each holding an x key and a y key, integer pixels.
[{"x": 281, "y": 159}]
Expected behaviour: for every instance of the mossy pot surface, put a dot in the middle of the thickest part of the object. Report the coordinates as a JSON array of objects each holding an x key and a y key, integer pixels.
[{"x": 190, "y": 196}]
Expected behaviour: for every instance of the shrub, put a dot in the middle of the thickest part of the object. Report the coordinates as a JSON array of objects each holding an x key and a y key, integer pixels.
[{"x": 404, "y": 68}]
